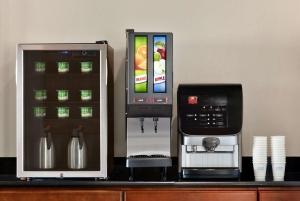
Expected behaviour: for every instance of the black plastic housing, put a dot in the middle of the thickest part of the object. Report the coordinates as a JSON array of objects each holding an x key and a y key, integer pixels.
[{"x": 212, "y": 100}]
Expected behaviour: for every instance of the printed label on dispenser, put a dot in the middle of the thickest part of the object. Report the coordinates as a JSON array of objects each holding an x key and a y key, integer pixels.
[
  {"x": 140, "y": 64},
  {"x": 159, "y": 64}
]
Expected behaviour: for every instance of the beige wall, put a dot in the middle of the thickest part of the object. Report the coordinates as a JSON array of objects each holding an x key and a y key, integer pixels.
[{"x": 254, "y": 42}]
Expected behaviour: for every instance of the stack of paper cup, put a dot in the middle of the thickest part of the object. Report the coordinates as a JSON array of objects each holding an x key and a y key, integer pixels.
[
  {"x": 259, "y": 154},
  {"x": 278, "y": 157}
]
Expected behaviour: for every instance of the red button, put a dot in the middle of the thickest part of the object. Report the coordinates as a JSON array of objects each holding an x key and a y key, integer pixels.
[{"x": 192, "y": 100}]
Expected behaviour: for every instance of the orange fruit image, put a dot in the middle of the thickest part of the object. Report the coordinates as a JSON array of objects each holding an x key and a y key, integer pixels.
[{"x": 141, "y": 58}]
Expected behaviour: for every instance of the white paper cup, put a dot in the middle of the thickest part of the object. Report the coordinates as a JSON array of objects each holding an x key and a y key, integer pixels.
[
  {"x": 278, "y": 171},
  {"x": 277, "y": 141},
  {"x": 259, "y": 158},
  {"x": 278, "y": 154},
  {"x": 278, "y": 160},
  {"x": 278, "y": 149},
  {"x": 261, "y": 148},
  {"x": 278, "y": 137},
  {"x": 263, "y": 152},
  {"x": 260, "y": 141},
  {"x": 259, "y": 155},
  {"x": 258, "y": 146},
  {"x": 255, "y": 155},
  {"x": 258, "y": 137},
  {"x": 278, "y": 157},
  {"x": 277, "y": 146},
  {"x": 260, "y": 152},
  {"x": 260, "y": 171}
]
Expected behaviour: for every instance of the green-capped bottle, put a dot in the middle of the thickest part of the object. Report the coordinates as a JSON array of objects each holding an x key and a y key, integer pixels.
[
  {"x": 63, "y": 67},
  {"x": 86, "y": 94},
  {"x": 86, "y": 66},
  {"x": 62, "y": 95},
  {"x": 63, "y": 112},
  {"x": 39, "y": 111},
  {"x": 40, "y": 66},
  {"x": 40, "y": 94},
  {"x": 86, "y": 112}
]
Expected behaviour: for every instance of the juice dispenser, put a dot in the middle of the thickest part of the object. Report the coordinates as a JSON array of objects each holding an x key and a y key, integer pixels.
[{"x": 149, "y": 99}]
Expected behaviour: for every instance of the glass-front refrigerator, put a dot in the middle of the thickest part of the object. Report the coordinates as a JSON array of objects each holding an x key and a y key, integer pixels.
[{"x": 64, "y": 110}]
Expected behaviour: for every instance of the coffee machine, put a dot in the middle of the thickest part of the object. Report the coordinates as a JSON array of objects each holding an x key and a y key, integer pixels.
[
  {"x": 149, "y": 89},
  {"x": 209, "y": 126}
]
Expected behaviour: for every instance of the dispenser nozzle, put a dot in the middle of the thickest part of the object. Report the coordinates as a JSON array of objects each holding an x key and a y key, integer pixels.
[
  {"x": 155, "y": 119},
  {"x": 210, "y": 143},
  {"x": 142, "y": 124}
]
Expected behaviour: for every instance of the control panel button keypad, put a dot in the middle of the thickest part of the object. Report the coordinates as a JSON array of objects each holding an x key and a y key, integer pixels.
[{"x": 208, "y": 116}]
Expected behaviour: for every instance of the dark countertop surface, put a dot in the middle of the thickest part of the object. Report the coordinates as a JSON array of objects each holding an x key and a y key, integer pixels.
[
  {"x": 150, "y": 178},
  {"x": 11, "y": 181}
]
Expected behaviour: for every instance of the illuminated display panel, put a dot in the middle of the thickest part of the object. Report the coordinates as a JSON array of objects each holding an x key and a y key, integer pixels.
[
  {"x": 140, "y": 64},
  {"x": 159, "y": 64}
]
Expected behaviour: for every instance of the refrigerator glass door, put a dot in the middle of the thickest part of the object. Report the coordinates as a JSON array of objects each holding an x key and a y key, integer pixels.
[{"x": 61, "y": 92}]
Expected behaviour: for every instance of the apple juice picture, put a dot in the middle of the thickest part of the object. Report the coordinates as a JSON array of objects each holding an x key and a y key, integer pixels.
[
  {"x": 159, "y": 60},
  {"x": 140, "y": 64}
]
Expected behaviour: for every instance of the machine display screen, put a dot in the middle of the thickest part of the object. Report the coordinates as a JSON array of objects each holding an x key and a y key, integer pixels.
[
  {"x": 140, "y": 64},
  {"x": 159, "y": 63}
]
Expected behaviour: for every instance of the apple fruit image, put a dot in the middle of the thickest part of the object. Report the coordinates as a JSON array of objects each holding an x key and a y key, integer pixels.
[
  {"x": 159, "y": 67},
  {"x": 162, "y": 52},
  {"x": 157, "y": 56},
  {"x": 141, "y": 58}
]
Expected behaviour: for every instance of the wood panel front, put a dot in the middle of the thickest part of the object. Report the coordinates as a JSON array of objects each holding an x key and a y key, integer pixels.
[
  {"x": 25, "y": 194},
  {"x": 193, "y": 195},
  {"x": 279, "y": 195}
]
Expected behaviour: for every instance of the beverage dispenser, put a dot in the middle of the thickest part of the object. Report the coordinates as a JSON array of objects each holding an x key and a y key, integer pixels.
[{"x": 149, "y": 89}]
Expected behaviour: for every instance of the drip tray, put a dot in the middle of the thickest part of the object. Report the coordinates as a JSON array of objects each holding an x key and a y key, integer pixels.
[
  {"x": 148, "y": 161},
  {"x": 210, "y": 173}
]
